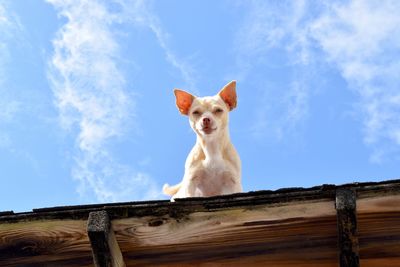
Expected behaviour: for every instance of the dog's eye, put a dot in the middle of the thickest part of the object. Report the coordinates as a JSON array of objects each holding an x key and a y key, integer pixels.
[
  {"x": 196, "y": 113},
  {"x": 218, "y": 110}
]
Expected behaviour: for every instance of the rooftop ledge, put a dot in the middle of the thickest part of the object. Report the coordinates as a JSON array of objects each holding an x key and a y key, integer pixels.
[{"x": 329, "y": 225}]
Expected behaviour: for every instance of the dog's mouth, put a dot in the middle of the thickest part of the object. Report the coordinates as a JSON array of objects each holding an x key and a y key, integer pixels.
[{"x": 208, "y": 129}]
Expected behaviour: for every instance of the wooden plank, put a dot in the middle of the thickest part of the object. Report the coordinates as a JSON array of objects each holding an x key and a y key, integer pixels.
[
  {"x": 347, "y": 228},
  {"x": 269, "y": 235},
  {"x": 105, "y": 249},
  {"x": 41, "y": 243},
  {"x": 378, "y": 204},
  {"x": 159, "y": 207},
  {"x": 378, "y": 221},
  {"x": 275, "y": 234}
]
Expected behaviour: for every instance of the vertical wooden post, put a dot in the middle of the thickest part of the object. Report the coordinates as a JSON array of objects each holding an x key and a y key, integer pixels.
[
  {"x": 347, "y": 227},
  {"x": 105, "y": 249}
]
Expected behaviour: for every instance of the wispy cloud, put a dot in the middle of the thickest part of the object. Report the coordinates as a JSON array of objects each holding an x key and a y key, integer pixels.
[
  {"x": 93, "y": 99},
  {"x": 5, "y": 28},
  {"x": 139, "y": 12},
  {"x": 280, "y": 110},
  {"x": 362, "y": 38},
  {"x": 274, "y": 36},
  {"x": 269, "y": 25},
  {"x": 9, "y": 30}
]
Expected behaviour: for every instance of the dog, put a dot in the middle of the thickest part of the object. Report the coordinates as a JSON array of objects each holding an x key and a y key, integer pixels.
[{"x": 213, "y": 166}]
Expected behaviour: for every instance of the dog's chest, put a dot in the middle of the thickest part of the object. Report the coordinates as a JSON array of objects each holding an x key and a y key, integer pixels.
[
  {"x": 214, "y": 165},
  {"x": 213, "y": 178}
]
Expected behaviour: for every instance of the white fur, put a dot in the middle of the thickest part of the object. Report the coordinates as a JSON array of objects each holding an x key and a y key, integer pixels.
[{"x": 213, "y": 166}]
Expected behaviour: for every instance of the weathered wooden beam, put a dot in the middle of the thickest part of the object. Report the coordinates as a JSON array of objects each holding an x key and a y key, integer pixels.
[
  {"x": 276, "y": 234},
  {"x": 347, "y": 227},
  {"x": 105, "y": 249}
]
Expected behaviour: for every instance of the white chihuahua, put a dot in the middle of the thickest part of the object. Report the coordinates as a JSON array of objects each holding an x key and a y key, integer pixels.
[{"x": 213, "y": 166}]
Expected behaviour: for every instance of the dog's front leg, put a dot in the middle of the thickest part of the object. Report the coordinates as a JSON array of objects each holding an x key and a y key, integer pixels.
[{"x": 188, "y": 188}]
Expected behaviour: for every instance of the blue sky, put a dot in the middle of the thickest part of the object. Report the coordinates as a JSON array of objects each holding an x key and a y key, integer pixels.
[{"x": 88, "y": 113}]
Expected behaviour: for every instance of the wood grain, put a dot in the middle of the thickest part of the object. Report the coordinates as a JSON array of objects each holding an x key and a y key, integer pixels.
[
  {"x": 51, "y": 242},
  {"x": 105, "y": 248},
  {"x": 301, "y": 233},
  {"x": 283, "y": 235}
]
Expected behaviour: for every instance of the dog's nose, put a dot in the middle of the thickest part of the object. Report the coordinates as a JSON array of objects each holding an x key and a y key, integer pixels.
[{"x": 206, "y": 121}]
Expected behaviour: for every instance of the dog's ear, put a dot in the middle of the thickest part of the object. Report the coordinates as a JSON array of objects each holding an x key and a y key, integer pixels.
[
  {"x": 183, "y": 101},
  {"x": 228, "y": 94}
]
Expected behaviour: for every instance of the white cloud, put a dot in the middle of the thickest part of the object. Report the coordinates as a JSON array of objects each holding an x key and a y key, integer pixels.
[
  {"x": 271, "y": 29},
  {"x": 10, "y": 29},
  {"x": 4, "y": 30},
  {"x": 362, "y": 38},
  {"x": 92, "y": 97},
  {"x": 275, "y": 25},
  {"x": 111, "y": 181},
  {"x": 280, "y": 110},
  {"x": 13, "y": 106},
  {"x": 186, "y": 70},
  {"x": 140, "y": 13},
  {"x": 4, "y": 17}
]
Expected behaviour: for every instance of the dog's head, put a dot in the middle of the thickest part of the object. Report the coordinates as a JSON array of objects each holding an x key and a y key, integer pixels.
[{"x": 208, "y": 115}]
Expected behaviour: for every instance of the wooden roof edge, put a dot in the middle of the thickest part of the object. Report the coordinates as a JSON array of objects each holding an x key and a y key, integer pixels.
[{"x": 188, "y": 205}]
